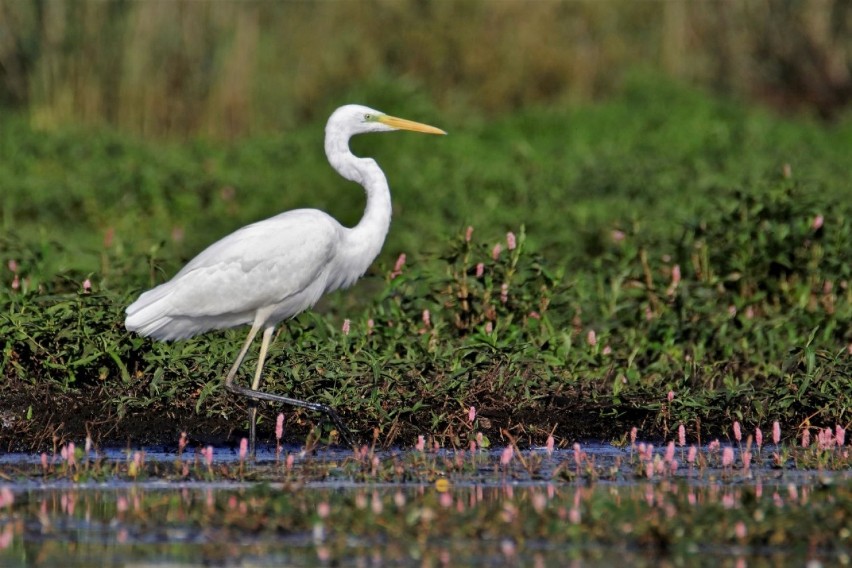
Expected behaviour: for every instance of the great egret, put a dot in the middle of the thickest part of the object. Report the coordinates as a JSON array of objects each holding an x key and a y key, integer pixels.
[{"x": 272, "y": 270}]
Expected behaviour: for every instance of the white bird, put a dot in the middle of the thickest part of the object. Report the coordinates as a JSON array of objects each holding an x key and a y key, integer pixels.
[{"x": 274, "y": 269}]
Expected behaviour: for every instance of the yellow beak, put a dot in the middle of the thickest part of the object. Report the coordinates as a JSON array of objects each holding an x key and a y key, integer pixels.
[{"x": 403, "y": 124}]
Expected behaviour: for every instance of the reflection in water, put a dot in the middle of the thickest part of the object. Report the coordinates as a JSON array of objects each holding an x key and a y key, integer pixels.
[{"x": 437, "y": 509}]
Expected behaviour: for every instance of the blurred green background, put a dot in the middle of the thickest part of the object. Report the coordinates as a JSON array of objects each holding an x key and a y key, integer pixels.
[{"x": 231, "y": 69}]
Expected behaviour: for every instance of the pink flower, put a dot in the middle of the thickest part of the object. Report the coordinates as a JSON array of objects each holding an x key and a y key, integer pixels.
[
  {"x": 534, "y": 315},
  {"x": 507, "y": 455},
  {"x": 670, "y": 396},
  {"x": 504, "y": 293},
  {"x": 670, "y": 452},
  {"x": 345, "y": 327},
  {"x": 758, "y": 437},
  {"x": 617, "y": 236},
  {"x": 574, "y": 515},
  {"x": 7, "y": 498},
  {"x": 243, "y": 448},
  {"x": 840, "y": 435},
  {"x": 323, "y": 509},
  {"x": 816, "y": 224},
  {"x": 633, "y": 432},
  {"x": 738, "y": 434},
  {"x": 370, "y": 325},
  {"x": 681, "y": 435},
  {"x": 468, "y": 234},
  {"x": 690, "y": 455},
  {"x": 727, "y": 456},
  {"x": 740, "y": 530},
  {"x": 471, "y": 414},
  {"x": 480, "y": 270},
  {"x": 397, "y": 267},
  {"x": 427, "y": 318},
  {"x": 87, "y": 285},
  {"x": 511, "y": 243},
  {"x": 746, "y": 459},
  {"x": 776, "y": 432},
  {"x": 421, "y": 443},
  {"x": 489, "y": 327},
  {"x": 495, "y": 252},
  {"x": 806, "y": 438},
  {"x": 592, "y": 338},
  {"x": 549, "y": 444},
  {"x": 16, "y": 282},
  {"x": 279, "y": 426},
  {"x": 208, "y": 456},
  {"x": 675, "y": 275}
]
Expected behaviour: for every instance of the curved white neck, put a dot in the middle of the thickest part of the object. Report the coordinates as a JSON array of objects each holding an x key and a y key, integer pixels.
[{"x": 370, "y": 232}]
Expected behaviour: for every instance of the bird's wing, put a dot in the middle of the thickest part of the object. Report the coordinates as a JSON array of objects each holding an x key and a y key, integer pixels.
[{"x": 260, "y": 265}]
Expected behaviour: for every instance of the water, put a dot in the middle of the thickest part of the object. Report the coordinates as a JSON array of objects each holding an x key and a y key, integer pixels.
[{"x": 443, "y": 508}]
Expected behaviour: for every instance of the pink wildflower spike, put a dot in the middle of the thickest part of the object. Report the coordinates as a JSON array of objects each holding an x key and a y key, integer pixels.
[
  {"x": 243, "y": 448},
  {"x": 479, "y": 439},
  {"x": 670, "y": 396},
  {"x": 738, "y": 434},
  {"x": 87, "y": 285},
  {"x": 534, "y": 315},
  {"x": 397, "y": 267},
  {"x": 468, "y": 234},
  {"x": 681, "y": 435},
  {"x": 549, "y": 445},
  {"x": 727, "y": 456},
  {"x": 592, "y": 338},
  {"x": 806, "y": 438},
  {"x": 670, "y": 452},
  {"x": 16, "y": 282},
  {"x": 44, "y": 461},
  {"x": 209, "y": 456},
  {"x": 471, "y": 414},
  {"x": 489, "y": 327},
  {"x": 607, "y": 350},
  {"x": 279, "y": 426},
  {"x": 370, "y": 325},
  {"x": 675, "y": 280},
  {"x": 776, "y": 432},
  {"x": 690, "y": 455},
  {"x": 427, "y": 318},
  {"x": 421, "y": 444},
  {"x": 507, "y": 455},
  {"x": 758, "y": 437},
  {"x": 504, "y": 292},
  {"x": 288, "y": 463},
  {"x": 746, "y": 459},
  {"x": 7, "y": 499},
  {"x": 480, "y": 269},
  {"x": 182, "y": 441},
  {"x": 817, "y": 223},
  {"x": 840, "y": 435},
  {"x": 633, "y": 432},
  {"x": 495, "y": 252},
  {"x": 345, "y": 327},
  {"x": 511, "y": 242}
]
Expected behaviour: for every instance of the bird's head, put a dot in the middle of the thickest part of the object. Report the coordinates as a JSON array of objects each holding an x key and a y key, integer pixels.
[{"x": 358, "y": 119}]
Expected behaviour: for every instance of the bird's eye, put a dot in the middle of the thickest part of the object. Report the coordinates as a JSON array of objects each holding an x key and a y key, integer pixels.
[{"x": 369, "y": 118}]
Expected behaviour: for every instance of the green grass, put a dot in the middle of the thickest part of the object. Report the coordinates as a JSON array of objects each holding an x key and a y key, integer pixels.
[{"x": 757, "y": 329}]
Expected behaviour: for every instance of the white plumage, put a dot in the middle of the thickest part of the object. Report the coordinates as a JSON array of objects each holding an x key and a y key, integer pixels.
[{"x": 272, "y": 270}]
